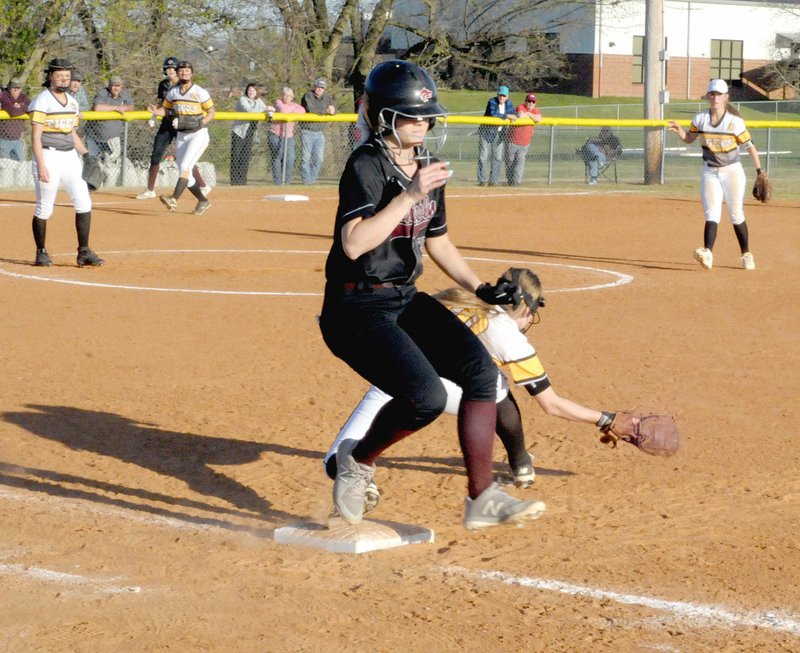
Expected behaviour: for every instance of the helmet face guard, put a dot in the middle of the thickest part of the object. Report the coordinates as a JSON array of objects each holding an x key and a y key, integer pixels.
[
  {"x": 437, "y": 128},
  {"x": 401, "y": 88}
]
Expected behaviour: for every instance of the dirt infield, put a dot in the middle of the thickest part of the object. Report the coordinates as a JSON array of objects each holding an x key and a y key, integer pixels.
[{"x": 163, "y": 414}]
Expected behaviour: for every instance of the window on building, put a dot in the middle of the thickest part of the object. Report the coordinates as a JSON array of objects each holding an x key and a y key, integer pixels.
[
  {"x": 726, "y": 60},
  {"x": 638, "y": 60}
]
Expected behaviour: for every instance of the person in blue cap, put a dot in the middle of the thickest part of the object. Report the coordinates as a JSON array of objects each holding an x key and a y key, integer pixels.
[{"x": 492, "y": 138}]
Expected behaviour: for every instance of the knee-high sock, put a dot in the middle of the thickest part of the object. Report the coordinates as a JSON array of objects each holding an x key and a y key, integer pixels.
[
  {"x": 742, "y": 236},
  {"x": 476, "y": 423},
  {"x": 197, "y": 176},
  {"x": 83, "y": 223},
  {"x": 509, "y": 430},
  {"x": 396, "y": 420},
  {"x": 180, "y": 187},
  {"x": 195, "y": 190},
  {"x": 39, "y": 232},
  {"x": 710, "y": 234}
]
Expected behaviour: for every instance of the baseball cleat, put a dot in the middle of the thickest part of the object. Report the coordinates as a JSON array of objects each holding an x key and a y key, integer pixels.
[
  {"x": 42, "y": 259},
  {"x": 350, "y": 486},
  {"x": 523, "y": 476},
  {"x": 704, "y": 256},
  {"x": 372, "y": 496},
  {"x": 202, "y": 207},
  {"x": 494, "y": 507},
  {"x": 170, "y": 202},
  {"x": 748, "y": 262},
  {"x": 87, "y": 258},
  {"x": 146, "y": 194}
]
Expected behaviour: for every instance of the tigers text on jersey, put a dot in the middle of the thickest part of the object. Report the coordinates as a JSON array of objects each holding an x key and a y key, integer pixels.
[
  {"x": 58, "y": 118},
  {"x": 369, "y": 182},
  {"x": 194, "y": 102},
  {"x": 720, "y": 142},
  {"x": 508, "y": 346}
]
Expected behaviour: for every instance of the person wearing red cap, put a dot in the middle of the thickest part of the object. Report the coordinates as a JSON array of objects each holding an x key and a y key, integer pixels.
[{"x": 519, "y": 140}]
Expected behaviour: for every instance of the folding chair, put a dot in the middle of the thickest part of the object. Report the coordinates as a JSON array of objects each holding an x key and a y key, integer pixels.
[{"x": 607, "y": 170}]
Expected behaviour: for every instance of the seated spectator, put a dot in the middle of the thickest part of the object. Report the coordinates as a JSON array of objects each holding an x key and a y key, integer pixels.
[{"x": 598, "y": 151}]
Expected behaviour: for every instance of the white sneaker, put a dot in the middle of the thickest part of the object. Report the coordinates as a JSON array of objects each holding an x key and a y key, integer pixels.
[
  {"x": 146, "y": 195},
  {"x": 748, "y": 262},
  {"x": 206, "y": 190},
  {"x": 592, "y": 182},
  {"x": 705, "y": 257}
]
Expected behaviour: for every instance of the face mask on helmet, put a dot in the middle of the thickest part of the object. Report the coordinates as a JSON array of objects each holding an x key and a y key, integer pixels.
[{"x": 434, "y": 139}]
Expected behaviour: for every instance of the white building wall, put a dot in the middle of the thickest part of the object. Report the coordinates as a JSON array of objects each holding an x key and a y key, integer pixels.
[{"x": 689, "y": 26}]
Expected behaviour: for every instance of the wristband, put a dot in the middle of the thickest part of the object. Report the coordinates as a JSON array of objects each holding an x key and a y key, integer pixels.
[
  {"x": 759, "y": 170},
  {"x": 606, "y": 420}
]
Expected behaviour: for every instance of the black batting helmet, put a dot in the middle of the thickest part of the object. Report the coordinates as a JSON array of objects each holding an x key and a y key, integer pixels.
[
  {"x": 184, "y": 64},
  {"x": 170, "y": 62},
  {"x": 56, "y": 64},
  {"x": 402, "y": 88}
]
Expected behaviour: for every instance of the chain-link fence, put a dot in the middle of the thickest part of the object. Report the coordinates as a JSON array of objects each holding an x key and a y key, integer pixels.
[{"x": 556, "y": 155}]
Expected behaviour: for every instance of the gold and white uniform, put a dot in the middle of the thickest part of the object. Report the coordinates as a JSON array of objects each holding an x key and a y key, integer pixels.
[
  {"x": 64, "y": 165},
  {"x": 189, "y": 146},
  {"x": 723, "y": 175}
]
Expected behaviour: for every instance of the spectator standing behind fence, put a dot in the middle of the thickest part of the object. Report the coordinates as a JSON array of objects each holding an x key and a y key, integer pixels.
[
  {"x": 492, "y": 138},
  {"x": 104, "y": 137},
  {"x": 77, "y": 91},
  {"x": 598, "y": 151},
  {"x": 519, "y": 140},
  {"x": 244, "y": 132},
  {"x": 312, "y": 135},
  {"x": 15, "y": 103},
  {"x": 281, "y": 138},
  {"x": 165, "y": 135}
]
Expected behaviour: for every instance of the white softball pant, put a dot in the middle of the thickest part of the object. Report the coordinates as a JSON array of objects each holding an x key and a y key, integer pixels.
[
  {"x": 189, "y": 148},
  {"x": 361, "y": 418},
  {"x": 728, "y": 183},
  {"x": 66, "y": 168}
]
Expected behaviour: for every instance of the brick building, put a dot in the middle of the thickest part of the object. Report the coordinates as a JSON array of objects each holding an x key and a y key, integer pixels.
[{"x": 736, "y": 40}]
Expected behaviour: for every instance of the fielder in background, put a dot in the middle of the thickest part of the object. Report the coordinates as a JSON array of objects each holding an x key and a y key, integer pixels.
[
  {"x": 519, "y": 140},
  {"x": 189, "y": 108},
  {"x": 721, "y": 131},
  {"x": 502, "y": 331},
  {"x": 57, "y": 150},
  {"x": 165, "y": 135},
  {"x": 391, "y": 205}
]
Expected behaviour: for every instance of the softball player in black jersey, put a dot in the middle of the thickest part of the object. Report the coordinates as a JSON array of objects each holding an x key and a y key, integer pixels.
[{"x": 391, "y": 204}]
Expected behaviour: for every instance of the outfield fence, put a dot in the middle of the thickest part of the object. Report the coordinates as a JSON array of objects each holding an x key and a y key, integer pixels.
[{"x": 552, "y": 159}]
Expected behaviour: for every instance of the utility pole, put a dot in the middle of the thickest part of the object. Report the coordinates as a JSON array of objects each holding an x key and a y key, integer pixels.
[{"x": 654, "y": 54}]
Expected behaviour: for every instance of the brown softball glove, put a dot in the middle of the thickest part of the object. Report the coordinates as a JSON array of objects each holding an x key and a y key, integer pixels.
[
  {"x": 654, "y": 434},
  {"x": 762, "y": 188}
]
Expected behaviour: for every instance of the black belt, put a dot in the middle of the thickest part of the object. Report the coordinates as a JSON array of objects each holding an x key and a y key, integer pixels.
[
  {"x": 366, "y": 285},
  {"x": 59, "y": 149}
]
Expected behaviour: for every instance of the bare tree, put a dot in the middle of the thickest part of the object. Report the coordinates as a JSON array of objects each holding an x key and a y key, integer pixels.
[{"x": 473, "y": 42}]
